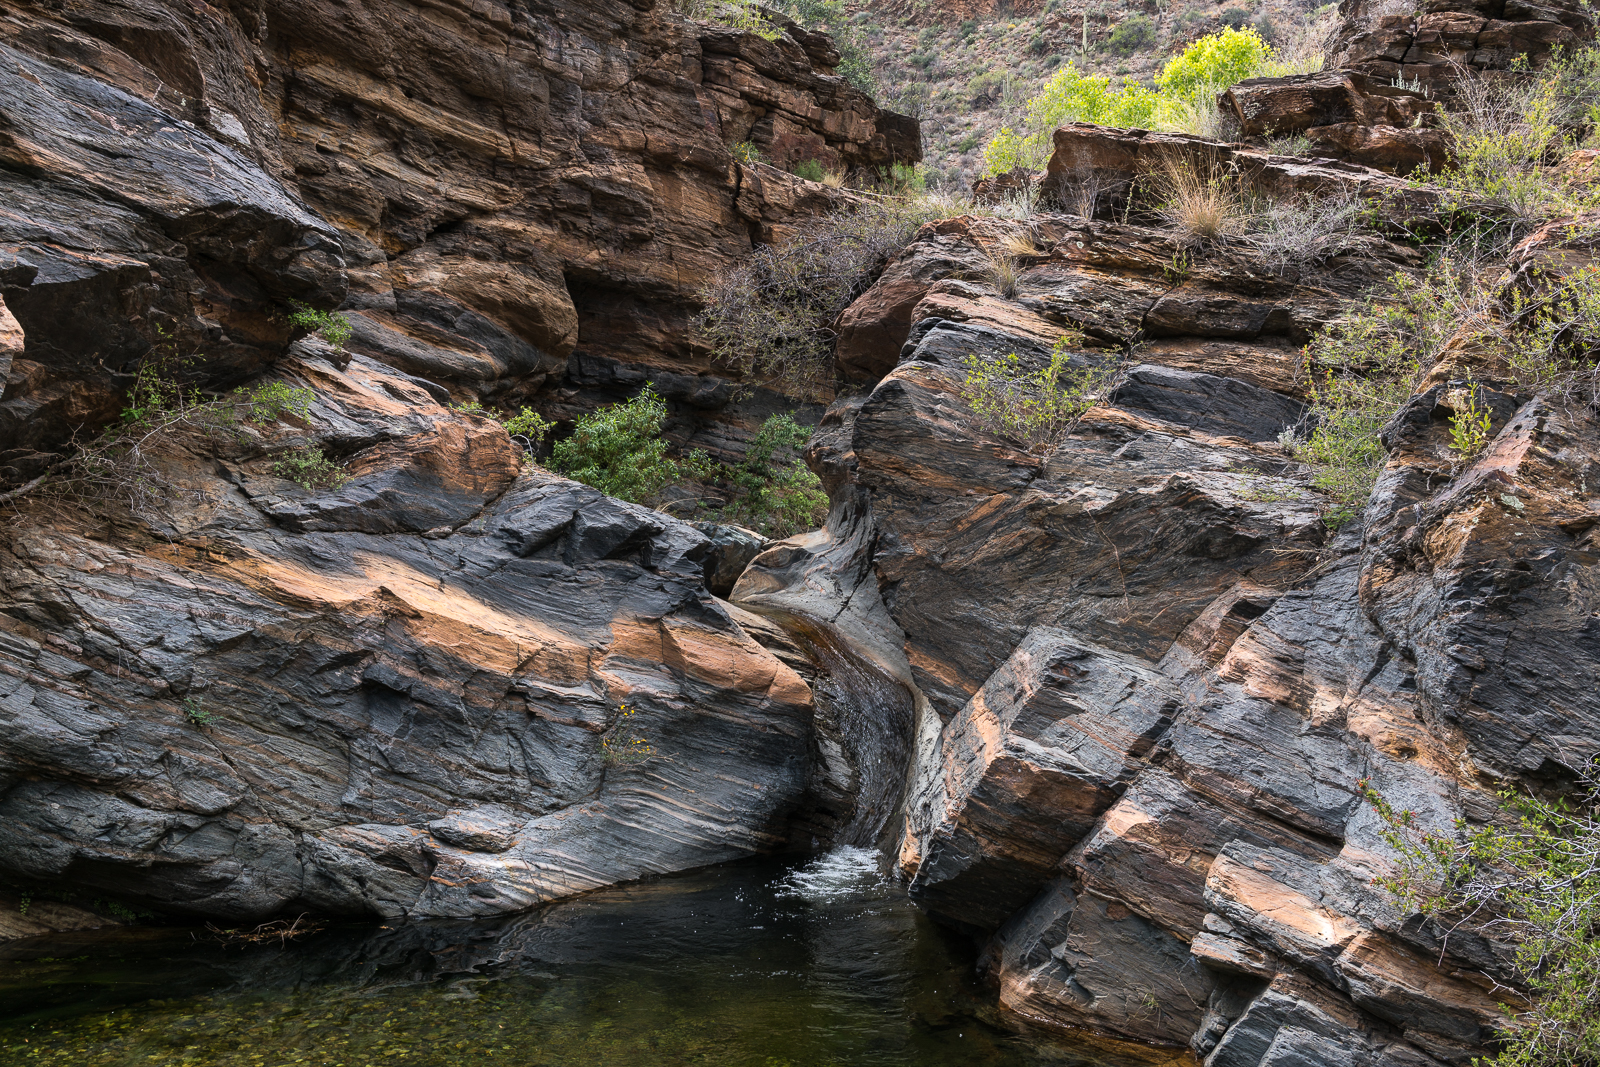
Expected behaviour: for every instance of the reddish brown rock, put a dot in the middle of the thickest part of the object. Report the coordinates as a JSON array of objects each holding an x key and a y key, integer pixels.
[
  {"x": 1435, "y": 47},
  {"x": 1271, "y": 107},
  {"x": 493, "y": 201}
]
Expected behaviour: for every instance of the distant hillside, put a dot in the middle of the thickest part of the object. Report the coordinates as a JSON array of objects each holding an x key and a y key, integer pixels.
[{"x": 967, "y": 67}]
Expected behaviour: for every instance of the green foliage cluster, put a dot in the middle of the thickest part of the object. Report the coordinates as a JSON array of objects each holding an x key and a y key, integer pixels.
[
  {"x": 1531, "y": 877},
  {"x": 309, "y": 468},
  {"x": 811, "y": 170},
  {"x": 1470, "y": 422},
  {"x": 746, "y": 152},
  {"x": 774, "y": 496},
  {"x": 621, "y": 451},
  {"x": 772, "y": 317},
  {"x": 1133, "y": 34},
  {"x": 1554, "y": 347},
  {"x": 1037, "y": 409},
  {"x": 331, "y": 327},
  {"x": 1181, "y": 100},
  {"x": 195, "y": 710},
  {"x": 1364, "y": 366},
  {"x": 528, "y": 428}
]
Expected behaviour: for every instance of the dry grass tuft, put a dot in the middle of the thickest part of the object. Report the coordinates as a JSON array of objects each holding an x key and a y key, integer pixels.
[
  {"x": 1002, "y": 274},
  {"x": 1019, "y": 244},
  {"x": 1200, "y": 201}
]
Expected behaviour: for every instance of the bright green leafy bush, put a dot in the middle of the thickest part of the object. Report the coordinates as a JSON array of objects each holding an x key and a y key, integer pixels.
[
  {"x": 330, "y": 326},
  {"x": 1037, "y": 409},
  {"x": 775, "y": 496},
  {"x": 1213, "y": 63},
  {"x": 620, "y": 451}
]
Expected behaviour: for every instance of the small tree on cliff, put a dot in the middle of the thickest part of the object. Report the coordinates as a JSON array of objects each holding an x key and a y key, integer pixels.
[{"x": 1534, "y": 879}]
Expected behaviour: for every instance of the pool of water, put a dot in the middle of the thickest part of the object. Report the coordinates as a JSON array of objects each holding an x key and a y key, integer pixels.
[{"x": 757, "y": 964}]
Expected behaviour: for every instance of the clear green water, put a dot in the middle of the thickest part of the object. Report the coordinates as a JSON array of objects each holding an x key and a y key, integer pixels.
[{"x": 749, "y": 964}]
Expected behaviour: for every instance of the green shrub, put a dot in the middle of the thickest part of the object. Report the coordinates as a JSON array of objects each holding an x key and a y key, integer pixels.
[
  {"x": 1133, "y": 34},
  {"x": 987, "y": 89},
  {"x": 308, "y": 468},
  {"x": 1213, "y": 63},
  {"x": 1507, "y": 138},
  {"x": 1469, "y": 423},
  {"x": 161, "y": 415},
  {"x": 1551, "y": 335},
  {"x": 1233, "y": 17},
  {"x": 1365, "y": 365},
  {"x": 903, "y": 180},
  {"x": 621, "y": 745},
  {"x": 742, "y": 15},
  {"x": 1069, "y": 95},
  {"x": 811, "y": 170},
  {"x": 620, "y": 451},
  {"x": 1529, "y": 877},
  {"x": 746, "y": 152},
  {"x": 1036, "y": 409},
  {"x": 332, "y": 328},
  {"x": 531, "y": 427},
  {"x": 775, "y": 496},
  {"x": 1038, "y": 44},
  {"x": 968, "y": 143},
  {"x": 855, "y": 54}
]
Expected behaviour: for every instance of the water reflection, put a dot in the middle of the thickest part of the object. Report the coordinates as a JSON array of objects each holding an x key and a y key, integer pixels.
[{"x": 748, "y": 964}]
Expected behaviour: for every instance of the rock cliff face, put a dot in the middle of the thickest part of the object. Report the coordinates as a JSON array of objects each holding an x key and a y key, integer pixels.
[
  {"x": 403, "y": 695},
  {"x": 413, "y": 682},
  {"x": 1107, "y": 709},
  {"x": 1433, "y": 49},
  {"x": 512, "y": 196},
  {"x": 1150, "y": 678}
]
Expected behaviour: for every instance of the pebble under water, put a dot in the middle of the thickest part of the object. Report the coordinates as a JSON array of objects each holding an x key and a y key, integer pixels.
[{"x": 757, "y": 963}]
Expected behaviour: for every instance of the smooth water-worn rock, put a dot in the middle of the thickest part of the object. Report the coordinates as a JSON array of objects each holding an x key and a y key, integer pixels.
[{"x": 422, "y": 692}]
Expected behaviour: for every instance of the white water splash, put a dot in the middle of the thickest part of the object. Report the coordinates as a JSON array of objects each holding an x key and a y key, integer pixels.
[{"x": 842, "y": 874}]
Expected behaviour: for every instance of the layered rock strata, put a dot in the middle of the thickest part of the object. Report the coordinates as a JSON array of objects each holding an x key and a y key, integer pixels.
[
  {"x": 1345, "y": 115},
  {"x": 1433, "y": 49},
  {"x": 426, "y": 691},
  {"x": 1152, "y": 677},
  {"x": 509, "y": 196}
]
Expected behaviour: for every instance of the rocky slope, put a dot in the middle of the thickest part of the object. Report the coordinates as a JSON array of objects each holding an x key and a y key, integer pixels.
[{"x": 1150, "y": 678}]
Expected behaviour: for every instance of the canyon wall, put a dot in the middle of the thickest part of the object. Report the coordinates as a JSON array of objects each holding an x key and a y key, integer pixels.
[
  {"x": 512, "y": 198},
  {"x": 1152, "y": 677},
  {"x": 1109, "y": 708},
  {"x": 414, "y": 693}
]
